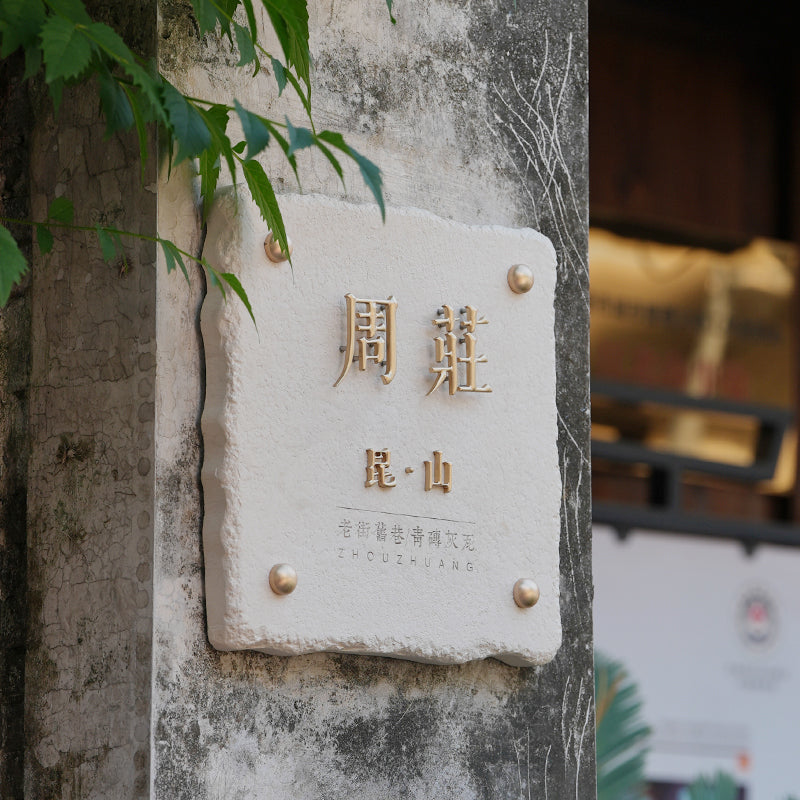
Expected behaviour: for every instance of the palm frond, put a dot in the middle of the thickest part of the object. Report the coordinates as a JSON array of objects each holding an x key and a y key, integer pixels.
[{"x": 621, "y": 733}]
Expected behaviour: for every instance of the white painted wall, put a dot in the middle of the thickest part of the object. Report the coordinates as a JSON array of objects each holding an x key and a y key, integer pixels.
[{"x": 671, "y": 609}]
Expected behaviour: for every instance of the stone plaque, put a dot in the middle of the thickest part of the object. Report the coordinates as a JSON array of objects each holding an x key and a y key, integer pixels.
[{"x": 388, "y": 431}]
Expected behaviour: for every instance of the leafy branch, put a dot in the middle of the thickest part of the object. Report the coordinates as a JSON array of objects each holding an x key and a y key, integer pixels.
[
  {"x": 61, "y": 42},
  {"x": 61, "y": 214}
]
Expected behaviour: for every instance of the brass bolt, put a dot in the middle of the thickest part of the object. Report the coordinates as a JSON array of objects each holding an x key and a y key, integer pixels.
[
  {"x": 282, "y": 579},
  {"x": 273, "y": 249},
  {"x": 526, "y": 593},
  {"x": 520, "y": 278}
]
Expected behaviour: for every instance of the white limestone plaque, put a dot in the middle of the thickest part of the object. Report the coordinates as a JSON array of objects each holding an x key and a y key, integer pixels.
[{"x": 388, "y": 430}]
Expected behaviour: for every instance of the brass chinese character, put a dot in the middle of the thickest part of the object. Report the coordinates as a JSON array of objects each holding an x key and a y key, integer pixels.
[
  {"x": 447, "y": 352},
  {"x": 439, "y": 473},
  {"x": 370, "y": 331},
  {"x": 378, "y": 463}
]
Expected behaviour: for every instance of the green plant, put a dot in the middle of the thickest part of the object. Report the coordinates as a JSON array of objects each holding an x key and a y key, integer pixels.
[
  {"x": 621, "y": 735},
  {"x": 63, "y": 45},
  {"x": 718, "y": 787}
]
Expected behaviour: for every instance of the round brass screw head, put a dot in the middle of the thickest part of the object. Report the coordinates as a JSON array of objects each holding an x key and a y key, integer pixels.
[
  {"x": 526, "y": 593},
  {"x": 282, "y": 579},
  {"x": 520, "y": 278},
  {"x": 273, "y": 249}
]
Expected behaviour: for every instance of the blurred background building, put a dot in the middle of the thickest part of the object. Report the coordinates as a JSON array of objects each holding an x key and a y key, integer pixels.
[{"x": 695, "y": 220}]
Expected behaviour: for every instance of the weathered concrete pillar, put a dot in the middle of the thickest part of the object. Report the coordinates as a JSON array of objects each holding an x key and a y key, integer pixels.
[
  {"x": 476, "y": 113},
  {"x": 92, "y": 463}
]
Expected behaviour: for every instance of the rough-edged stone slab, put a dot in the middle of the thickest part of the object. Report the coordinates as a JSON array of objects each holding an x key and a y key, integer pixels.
[{"x": 394, "y": 570}]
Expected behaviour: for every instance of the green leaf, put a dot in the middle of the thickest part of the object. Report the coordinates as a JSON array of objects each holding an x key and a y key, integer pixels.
[
  {"x": 371, "y": 176},
  {"x": 44, "y": 238},
  {"x": 280, "y": 75},
  {"x": 187, "y": 125},
  {"x": 226, "y": 9},
  {"x": 237, "y": 287},
  {"x": 331, "y": 158},
  {"x": 256, "y": 133},
  {"x": 173, "y": 257},
  {"x": 20, "y": 24},
  {"x": 12, "y": 264},
  {"x": 152, "y": 86},
  {"x": 209, "y": 176},
  {"x": 284, "y": 145},
  {"x": 56, "y": 93},
  {"x": 108, "y": 245},
  {"x": 251, "y": 19},
  {"x": 61, "y": 210},
  {"x": 206, "y": 15},
  {"x": 239, "y": 147},
  {"x": 141, "y": 129},
  {"x": 115, "y": 104},
  {"x": 264, "y": 196},
  {"x": 305, "y": 98},
  {"x": 370, "y": 173},
  {"x": 111, "y": 43},
  {"x": 33, "y": 61},
  {"x": 247, "y": 49},
  {"x": 213, "y": 277},
  {"x": 73, "y": 10},
  {"x": 289, "y": 19},
  {"x": 66, "y": 51},
  {"x": 299, "y": 138},
  {"x": 216, "y": 119},
  {"x": 389, "y": 6}
]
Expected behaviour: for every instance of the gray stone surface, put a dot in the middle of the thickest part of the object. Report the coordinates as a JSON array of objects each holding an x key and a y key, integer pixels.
[{"x": 476, "y": 112}]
